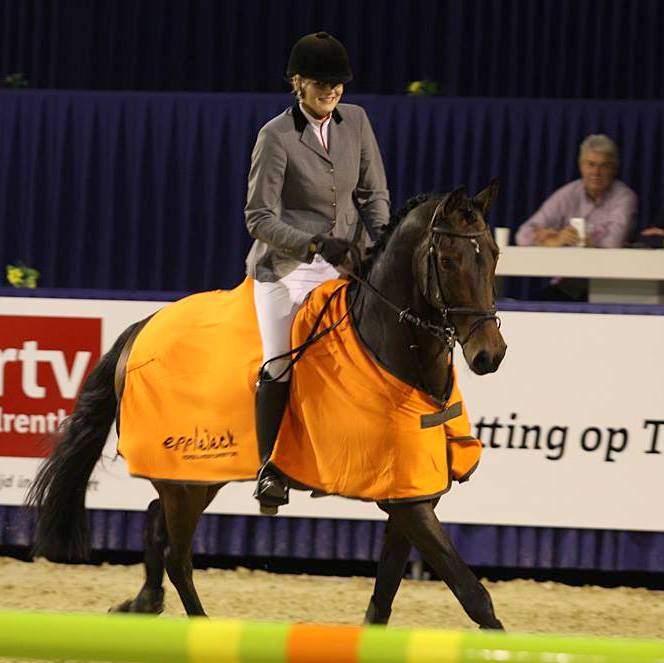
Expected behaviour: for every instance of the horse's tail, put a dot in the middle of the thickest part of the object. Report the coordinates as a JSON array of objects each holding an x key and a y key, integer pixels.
[{"x": 59, "y": 488}]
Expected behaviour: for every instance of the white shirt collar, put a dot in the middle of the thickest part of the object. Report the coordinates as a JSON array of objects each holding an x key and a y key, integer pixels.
[
  {"x": 314, "y": 121},
  {"x": 320, "y": 127}
]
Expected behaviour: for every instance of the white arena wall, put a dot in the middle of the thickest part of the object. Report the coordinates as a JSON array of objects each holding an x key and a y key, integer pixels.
[{"x": 572, "y": 423}]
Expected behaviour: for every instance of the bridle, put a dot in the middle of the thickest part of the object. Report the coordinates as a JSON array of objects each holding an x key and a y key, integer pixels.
[
  {"x": 484, "y": 315},
  {"x": 445, "y": 332}
]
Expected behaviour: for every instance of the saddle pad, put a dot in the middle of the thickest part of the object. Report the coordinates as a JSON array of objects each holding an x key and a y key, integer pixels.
[
  {"x": 187, "y": 410},
  {"x": 353, "y": 429}
]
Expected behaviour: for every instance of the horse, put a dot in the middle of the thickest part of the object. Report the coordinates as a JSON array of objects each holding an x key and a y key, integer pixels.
[{"x": 427, "y": 284}]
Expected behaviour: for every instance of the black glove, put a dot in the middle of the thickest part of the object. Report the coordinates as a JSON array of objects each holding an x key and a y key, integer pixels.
[{"x": 333, "y": 249}]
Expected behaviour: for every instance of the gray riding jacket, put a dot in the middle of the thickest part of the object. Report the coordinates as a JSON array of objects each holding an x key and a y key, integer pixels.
[{"x": 297, "y": 190}]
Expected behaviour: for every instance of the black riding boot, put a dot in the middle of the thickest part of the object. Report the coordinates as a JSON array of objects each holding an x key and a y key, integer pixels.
[{"x": 271, "y": 398}]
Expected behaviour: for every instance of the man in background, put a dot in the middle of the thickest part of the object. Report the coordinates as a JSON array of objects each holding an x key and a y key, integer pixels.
[
  {"x": 607, "y": 205},
  {"x": 600, "y": 206}
]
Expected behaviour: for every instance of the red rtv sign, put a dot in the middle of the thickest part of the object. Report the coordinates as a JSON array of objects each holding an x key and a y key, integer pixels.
[{"x": 43, "y": 364}]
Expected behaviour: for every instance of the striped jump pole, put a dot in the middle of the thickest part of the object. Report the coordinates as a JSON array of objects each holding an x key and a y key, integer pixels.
[{"x": 150, "y": 639}]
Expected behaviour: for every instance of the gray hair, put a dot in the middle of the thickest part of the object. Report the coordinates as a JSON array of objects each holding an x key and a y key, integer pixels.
[{"x": 599, "y": 143}]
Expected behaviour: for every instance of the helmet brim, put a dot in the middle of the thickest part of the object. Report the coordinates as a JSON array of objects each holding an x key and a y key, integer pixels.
[{"x": 322, "y": 78}]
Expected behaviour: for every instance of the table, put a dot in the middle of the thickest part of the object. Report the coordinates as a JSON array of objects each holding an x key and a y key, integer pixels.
[{"x": 616, "y": 275}]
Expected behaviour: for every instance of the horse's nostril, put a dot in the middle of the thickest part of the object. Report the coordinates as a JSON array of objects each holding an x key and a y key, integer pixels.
[{"x": 483, "y": 363}]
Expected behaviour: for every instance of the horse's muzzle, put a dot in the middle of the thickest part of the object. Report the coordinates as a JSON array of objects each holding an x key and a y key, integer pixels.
[{"x": 487, "y": 362}]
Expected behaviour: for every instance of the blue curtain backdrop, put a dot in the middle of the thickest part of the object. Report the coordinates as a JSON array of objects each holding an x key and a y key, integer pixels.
[
  {"x": 357, "y": 540},
  {"x": 145, "y": 191},
  {"x": 604, "y": 49}
]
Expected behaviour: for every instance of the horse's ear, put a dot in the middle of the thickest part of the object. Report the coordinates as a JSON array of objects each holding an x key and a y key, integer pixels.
[
  {"x": 487, "y": 197},
  {"x": 454, "y": 200}
]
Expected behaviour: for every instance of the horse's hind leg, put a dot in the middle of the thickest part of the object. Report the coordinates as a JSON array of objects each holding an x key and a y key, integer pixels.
[
  {"x": 183, "y": 506},
  {"x": 391, "y": 567},
  {"x": 418, "y": 522},
  {"x": 150, "y": 599}
]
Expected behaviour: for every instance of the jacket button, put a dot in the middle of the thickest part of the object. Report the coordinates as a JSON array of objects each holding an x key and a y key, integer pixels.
[
  {"x": 334, "y": 188},
  {"x": 331, "y": 170},
  {"x": 334, "y": 204}
]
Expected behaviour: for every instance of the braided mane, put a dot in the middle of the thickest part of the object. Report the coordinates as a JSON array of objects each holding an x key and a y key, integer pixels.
[{"x": 389, "y": 228}]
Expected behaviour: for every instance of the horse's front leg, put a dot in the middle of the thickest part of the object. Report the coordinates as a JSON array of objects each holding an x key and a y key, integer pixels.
[
  {"x": 150, "y": 599},
  {"x": 418, "y": 522},
  {"x": 391, "y": 567}
]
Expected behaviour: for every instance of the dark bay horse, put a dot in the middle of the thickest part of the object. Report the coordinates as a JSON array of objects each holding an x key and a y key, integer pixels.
[{"x": 428, "y": 284}]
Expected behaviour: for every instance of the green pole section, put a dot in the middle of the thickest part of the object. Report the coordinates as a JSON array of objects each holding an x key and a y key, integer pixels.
[
  {"x": 264, "y": 642},
  {"x": 122, "y": 638},
  {"x": 383, "y": 645},
  {"x": 510, "y": 648}
]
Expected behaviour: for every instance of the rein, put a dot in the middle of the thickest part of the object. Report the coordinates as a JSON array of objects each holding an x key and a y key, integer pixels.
[{"x": 445, "y": 333}]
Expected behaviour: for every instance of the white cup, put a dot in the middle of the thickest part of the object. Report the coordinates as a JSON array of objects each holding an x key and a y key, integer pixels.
[
  {"x": 502, "y": 236},
  {"x": 579, "y": 224}
]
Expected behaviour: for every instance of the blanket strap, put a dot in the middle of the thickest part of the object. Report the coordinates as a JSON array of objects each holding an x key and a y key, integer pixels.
[{"x": 437, "y": 418}]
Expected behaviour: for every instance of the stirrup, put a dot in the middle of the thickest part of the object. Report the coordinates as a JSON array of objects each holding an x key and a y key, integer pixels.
[{"x": 271, "y": 491}]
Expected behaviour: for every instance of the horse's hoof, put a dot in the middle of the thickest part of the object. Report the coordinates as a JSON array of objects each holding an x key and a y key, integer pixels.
[
  {"x": 374, "y": 617},
  {"x": 152, "y": 605},
  {"x": 496, "y": 626},
  {"x": 125, "y": 606},
  {"x": 269, "y": 510}
]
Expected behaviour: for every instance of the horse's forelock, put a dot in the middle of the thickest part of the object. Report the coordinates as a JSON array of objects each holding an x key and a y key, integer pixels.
[
  {"x": 472, "y": 213},
  {"x": 468, "y": 212}
]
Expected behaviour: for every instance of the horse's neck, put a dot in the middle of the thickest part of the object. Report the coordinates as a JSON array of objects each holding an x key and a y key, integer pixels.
[{"x": 406, "y": 351}]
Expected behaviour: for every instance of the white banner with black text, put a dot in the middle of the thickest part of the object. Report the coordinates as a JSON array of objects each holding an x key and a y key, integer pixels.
[{"x": 572, "y": 423}]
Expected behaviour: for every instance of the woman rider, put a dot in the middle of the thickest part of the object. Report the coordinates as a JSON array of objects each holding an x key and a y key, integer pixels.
[{"x": 314, "y": 168}]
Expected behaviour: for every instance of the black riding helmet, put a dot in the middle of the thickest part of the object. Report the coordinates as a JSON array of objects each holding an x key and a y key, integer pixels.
[{"x": 321, "y": 57}]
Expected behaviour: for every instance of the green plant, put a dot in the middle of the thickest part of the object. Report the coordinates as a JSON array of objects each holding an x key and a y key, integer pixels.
[
  {"x": 15, "y": 80},
  {"x": 22, "y": 276},
  {"x": 422, "y": 88}
]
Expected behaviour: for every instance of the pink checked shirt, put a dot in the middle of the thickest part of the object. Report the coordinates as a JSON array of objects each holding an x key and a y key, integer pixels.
[{"x": 608, "y": 221}]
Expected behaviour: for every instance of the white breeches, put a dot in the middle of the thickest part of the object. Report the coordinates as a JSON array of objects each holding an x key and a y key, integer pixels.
[{"x": 277, "y": 304}]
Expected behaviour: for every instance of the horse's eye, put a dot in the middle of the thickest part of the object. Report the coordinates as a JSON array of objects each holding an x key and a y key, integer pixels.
[{"x": 446, "y": 262}]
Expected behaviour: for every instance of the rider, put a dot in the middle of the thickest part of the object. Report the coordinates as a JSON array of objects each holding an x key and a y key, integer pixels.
[{"x": 312, "y": 167}]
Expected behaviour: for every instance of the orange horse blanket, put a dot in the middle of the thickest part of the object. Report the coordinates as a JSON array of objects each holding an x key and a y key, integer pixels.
[{"x": 353, "y": 429}]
